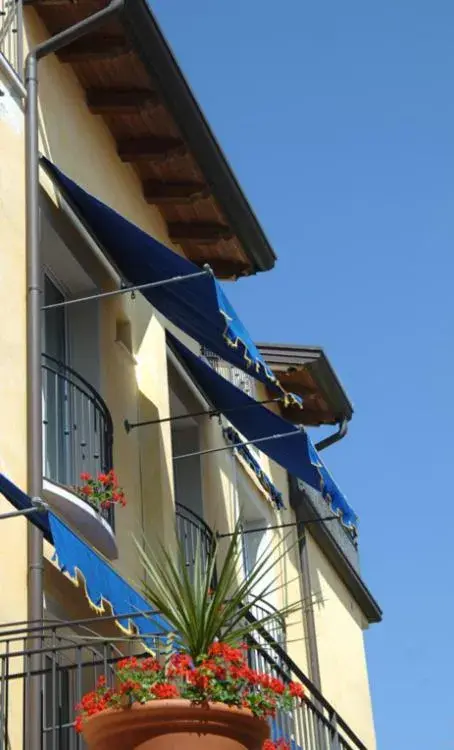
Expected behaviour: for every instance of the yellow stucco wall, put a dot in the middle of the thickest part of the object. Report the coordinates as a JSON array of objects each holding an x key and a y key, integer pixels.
[
  {"x": 339, "y": 626},
  {"x": 13, "y": 533},
  {"x": 82, "y": 146}
]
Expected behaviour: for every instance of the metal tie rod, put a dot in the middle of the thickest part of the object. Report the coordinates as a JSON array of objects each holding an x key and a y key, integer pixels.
[
  {"x": 239, "y": 445},
  {"x": 279, "y": 526},
  {"x": 39, "y": 506},
  {"x": 137, "y": 288},
  {"x": 206, "y": 413}
]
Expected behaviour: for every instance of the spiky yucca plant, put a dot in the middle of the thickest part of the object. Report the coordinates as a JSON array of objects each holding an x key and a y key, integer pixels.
[{"x": 199, "y": 614}]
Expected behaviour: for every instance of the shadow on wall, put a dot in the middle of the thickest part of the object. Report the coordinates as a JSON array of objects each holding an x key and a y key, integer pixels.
[
  {"x": 218, "y": 482},
  {"x": 158, "y": 510},
  {"x": 327, "y": 586}
]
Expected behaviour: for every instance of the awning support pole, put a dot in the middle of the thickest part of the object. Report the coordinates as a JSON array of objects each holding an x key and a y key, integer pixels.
[
  {"x": 232, "y": 446},
  {"x": 33, "y": 707},
  {"x": 39, "y": 507},
  {"x": 210, "y": 413},
  {"x": 299, "y": 524},
  {"x": 126, "y": 289}
]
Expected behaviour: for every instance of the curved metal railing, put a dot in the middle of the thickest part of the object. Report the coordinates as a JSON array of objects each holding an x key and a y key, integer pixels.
[
  {"x": 192, "y": 531},
  {"x": 77, "y": 427}
]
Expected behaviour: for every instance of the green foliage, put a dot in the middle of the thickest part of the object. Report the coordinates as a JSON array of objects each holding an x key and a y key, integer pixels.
[{"x": 199, "y": 615}]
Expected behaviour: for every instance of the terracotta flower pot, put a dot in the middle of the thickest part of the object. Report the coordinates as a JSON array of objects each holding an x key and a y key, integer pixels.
[{"x": 175, "y": 724}]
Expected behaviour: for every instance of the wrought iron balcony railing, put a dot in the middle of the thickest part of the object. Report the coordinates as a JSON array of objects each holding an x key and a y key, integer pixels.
[
  {"x": 72, "y": 657},
  {"x": 193, "y": 532},
  {"x": 11, "y": 33},
  {"x": 77, "y": 427}
]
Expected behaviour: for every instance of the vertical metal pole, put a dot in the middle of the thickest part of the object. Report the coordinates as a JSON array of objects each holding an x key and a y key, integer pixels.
[
  {"x": 310, "y": 619},
  {"x": 34, "y": 397}
]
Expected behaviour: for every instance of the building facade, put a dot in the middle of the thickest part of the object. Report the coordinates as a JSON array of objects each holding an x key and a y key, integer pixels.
[{"x": 117, "y": 116}]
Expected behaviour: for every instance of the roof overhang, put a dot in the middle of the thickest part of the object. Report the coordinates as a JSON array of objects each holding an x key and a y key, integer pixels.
[
  {"x": 306, "y": 370},
  {"x": 132, "y": 79}
]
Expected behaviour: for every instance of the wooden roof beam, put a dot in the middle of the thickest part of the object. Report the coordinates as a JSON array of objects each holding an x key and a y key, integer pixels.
[
  {"x": 150, "y": 148},
  {"x": 157, "y": 192},
  {"x": 94, "y": 47},
  {"x": 199, "y": 231},
  {"x": 118, "y": 101}
]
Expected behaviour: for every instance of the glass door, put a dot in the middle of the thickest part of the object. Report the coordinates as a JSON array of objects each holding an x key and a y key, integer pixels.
[{"x": 56, "y": 422}]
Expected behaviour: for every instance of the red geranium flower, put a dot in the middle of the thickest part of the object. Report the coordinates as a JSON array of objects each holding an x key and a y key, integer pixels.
[
  {"x": 179, "y": 664},
  {"x": 150, "y": 665},
  {"x": 164, "y": 690},
  {"x": 221, "y": 675},
  {"x": 278, "y": 745},
  {"x": 277, "y": 686},
  {"x": 78, "y": 724},
  {"x": 129, "y": 686},
  {"x": 296, "y": 690}
]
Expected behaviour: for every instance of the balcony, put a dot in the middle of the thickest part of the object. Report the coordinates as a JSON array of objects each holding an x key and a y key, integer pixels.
[
  {"x": 193, "y": 532},
  {"x": 77, "y": 437},
  {"x": 72, "y": 656}
]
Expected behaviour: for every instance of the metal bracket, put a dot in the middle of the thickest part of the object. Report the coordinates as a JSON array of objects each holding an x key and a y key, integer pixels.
[{"x": 40, "y": 505}]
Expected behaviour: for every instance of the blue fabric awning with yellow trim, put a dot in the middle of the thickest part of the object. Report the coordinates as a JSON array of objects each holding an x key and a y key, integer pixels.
[
  {"x": 198, "y": 306},
  {"x": 106, "y": 590},
  {"x": 295, "y": 451}
]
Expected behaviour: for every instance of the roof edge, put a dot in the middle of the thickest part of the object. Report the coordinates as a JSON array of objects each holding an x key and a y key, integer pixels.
[
  {"x": 315, "y": 357},
  {"x": 157, "y": 56}
]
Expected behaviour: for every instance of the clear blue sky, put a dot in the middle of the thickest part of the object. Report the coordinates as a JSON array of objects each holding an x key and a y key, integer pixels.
[{"x": 338, "y": 119}]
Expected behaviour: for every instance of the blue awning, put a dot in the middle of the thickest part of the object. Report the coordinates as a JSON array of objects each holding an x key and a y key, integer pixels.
[
  {"x": 105, "y": 589},
  {"x": 198, "y": 306},
  {"x": 295, "y": 452},
  {"x": 84, "y": 566}
]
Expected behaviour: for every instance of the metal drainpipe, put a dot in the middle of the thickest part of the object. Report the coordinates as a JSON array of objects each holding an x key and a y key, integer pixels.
[
  {"x": 32, "y": 728},
  {"x": 34, "y": 380},
  {"x": 334, "y": 438}
]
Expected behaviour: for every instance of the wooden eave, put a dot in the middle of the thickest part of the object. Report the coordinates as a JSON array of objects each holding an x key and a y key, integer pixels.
[
  {"x": 307, "y": 372},
  {"x": 134, "y": 83}
]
